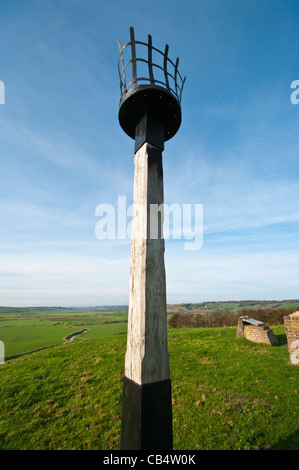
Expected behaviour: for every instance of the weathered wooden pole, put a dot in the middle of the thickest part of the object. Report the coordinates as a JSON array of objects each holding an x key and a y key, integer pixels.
[{"x": 150, "y": 114}]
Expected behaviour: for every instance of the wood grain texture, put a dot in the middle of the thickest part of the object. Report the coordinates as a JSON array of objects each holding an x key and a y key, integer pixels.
[{"x": 147, "y": 357}]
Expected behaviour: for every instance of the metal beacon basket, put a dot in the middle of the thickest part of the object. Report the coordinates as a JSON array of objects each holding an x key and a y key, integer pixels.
[{"x": 149, "y": 87}]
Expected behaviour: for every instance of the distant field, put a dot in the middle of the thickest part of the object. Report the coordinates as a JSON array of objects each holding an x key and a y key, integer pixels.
[
  {"x": 291, "y": 305},
  {"x": 221, "y": 305},
  {"x": 28, "y": 329},
  {"x": 99, "y": 331},
  {"x": 21, "y": 339},
  {"x": 25, "y": 322},
  {"x": 233, "y": 306}
]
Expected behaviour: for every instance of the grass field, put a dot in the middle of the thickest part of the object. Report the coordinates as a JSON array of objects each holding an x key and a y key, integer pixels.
[
  {"x": 20, "y": 339},
  {"x": 227, "y": 393},
  {"x": 99, "y": 331},
  {"x": 25, "y": 330}
]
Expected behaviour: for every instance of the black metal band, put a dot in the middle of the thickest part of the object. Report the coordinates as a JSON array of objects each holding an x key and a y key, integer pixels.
[
  {"x": 146, "y": 416},
  {"x": 149, "y": 130}
]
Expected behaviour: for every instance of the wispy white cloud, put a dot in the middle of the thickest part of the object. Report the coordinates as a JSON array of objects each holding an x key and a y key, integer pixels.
[
  {"x": 57, "y": 149},
  {"x": 232, "y": 276},
  {"x": 235, "y": 195},
  {"x": 62, "y": 278},
  {"x": 96, "y": 280}
]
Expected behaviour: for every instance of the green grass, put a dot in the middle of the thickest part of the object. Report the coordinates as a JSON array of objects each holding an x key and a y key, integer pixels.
[
  {"x": 227, "y": 393},
  {"x": 28, "y": 331},
  {"x": 295, "y": 305},
  {"x": 223, "y": 305},
  {"x": 25, "y": 322},
  {"x": 20, "y": 339},
  {"x": 99, "y": 331},
  {"x": 232, "y": 393}
]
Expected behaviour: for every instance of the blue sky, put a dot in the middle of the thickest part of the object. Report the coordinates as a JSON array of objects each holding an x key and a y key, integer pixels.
[{"x": 63, "y": 152}]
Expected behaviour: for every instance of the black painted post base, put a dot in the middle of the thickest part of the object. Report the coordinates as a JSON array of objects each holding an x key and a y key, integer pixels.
[{"x": 146, "y": 416}]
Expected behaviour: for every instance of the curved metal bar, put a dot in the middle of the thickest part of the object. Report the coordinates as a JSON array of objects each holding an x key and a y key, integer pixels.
[
  {"x": 176, "y": 75},
  {"x": 122, "y": 75},
  {"x": 150, "y": 60},
  {"x": 180, "y": 97},
  {"x": 165, "y": 66},
  {"x": 133, "y": 51}
]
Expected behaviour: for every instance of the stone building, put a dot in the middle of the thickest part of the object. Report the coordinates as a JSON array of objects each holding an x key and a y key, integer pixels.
[
  {"x": 256, "y": 331},
  {"x": 291, "y": 324}
]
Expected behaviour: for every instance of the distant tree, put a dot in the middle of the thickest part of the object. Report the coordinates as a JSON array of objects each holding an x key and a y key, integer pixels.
[{"x": 220, "y": 318}]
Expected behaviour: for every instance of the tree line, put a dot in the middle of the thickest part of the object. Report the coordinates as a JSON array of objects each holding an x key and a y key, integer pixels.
[{"x": 218, "y": 318}]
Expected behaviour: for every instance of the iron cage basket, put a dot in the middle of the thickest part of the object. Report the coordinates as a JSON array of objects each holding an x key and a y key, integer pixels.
[{"x": 148, "y": 87}]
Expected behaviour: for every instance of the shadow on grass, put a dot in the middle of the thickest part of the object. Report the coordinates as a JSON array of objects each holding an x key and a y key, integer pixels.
[
  {"x": 282, "y": 339},
  {"x": 289, "y": 443}
]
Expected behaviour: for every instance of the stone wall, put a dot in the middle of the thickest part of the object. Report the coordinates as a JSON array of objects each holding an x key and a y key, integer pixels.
[
  {"x": 260, "y": 333},
  {"x": 291, "y": 324}
]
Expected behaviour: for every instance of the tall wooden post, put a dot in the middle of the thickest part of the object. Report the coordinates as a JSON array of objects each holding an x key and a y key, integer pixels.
[{"x": 150, "y": 114}]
